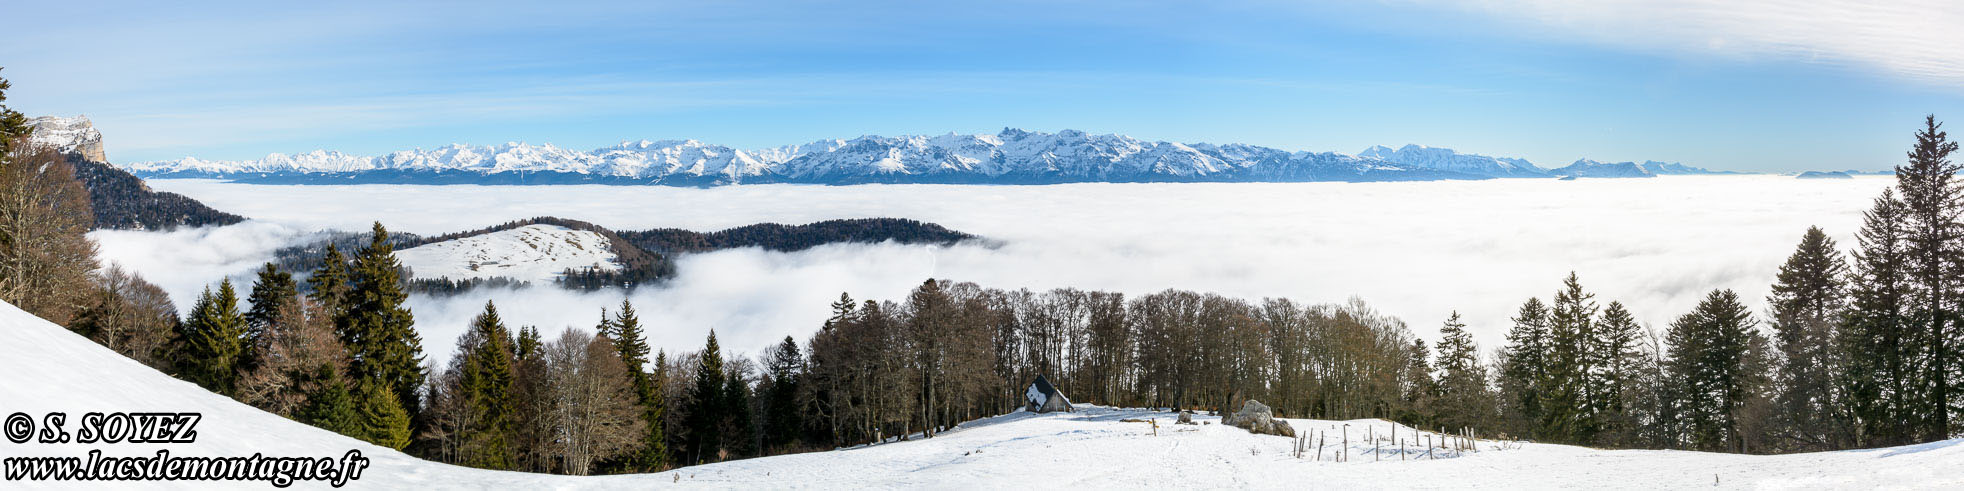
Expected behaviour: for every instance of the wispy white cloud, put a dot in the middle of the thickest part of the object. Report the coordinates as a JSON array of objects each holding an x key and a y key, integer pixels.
[{"x": 1917, "y": 40}]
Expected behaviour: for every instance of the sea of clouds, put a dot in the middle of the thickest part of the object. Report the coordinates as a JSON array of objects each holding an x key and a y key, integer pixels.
[{"x": 1416, "y": 250}]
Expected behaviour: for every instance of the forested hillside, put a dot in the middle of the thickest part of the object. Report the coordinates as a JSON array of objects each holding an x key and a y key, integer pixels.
[{"x": 122, "y": 201}]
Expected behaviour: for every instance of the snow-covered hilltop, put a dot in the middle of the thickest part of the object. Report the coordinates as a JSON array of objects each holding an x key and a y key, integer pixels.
[
  {"x": 535, "y": 253},
  {"x": 1010, "y": 157}
]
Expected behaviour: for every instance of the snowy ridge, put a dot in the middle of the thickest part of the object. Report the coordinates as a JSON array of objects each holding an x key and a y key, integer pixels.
[
  {"x": 534, "y": 253},
  {"x": 46, "y": 368},
  {"x": 1010, "y": 157}
]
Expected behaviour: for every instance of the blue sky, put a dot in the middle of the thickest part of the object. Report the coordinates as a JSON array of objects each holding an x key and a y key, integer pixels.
[{"x": 1776, "y": 85}]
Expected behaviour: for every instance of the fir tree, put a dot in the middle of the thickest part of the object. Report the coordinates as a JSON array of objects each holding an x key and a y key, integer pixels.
[
  {"x": 378, "y": 329},
  {"x": 331, "y": 407},
  {"x": 1877, "y": 338},
  {"x": 331, "y": 284},
  {"x": 706, "y": 405},
  {"x": 380, "y": 417},
  {"x": 739, "y": 430},
  {"x": 1566, "y": 393},
  {"x": 1709, "y": 353},
  {"x": 1618, "y": 349},
  {"x": 212, "y": 340},
  {"x": 1807, "y": 301},
  {"x": 784, "y": 423},
  {"x": 1524, "y": 367},
  {"x": 1464, "y": 401},
  {"x": 272, "y": 293},
  {"x": 13, "y": 124},
  {"x": 1420, "y": 391},
  {"x": 625, "y": 328},
  {"x": 1933, "y": 202},
  {"x": 486, "y": 386}
]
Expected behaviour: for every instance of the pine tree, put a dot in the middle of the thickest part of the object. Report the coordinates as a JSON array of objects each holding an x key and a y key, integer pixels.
[
  {"x": 1933, "y": 201},
  {"x": 380, "y": 417},
  {"x": 1571, "y": 328},
  {"x": 1524, "y": 368},
  {"x": 331, "y": 284},
  {"x": 378, "y": 330},
  {"x": 1807, "y": 302},
  {"x": 212, "y": 340},
  {"x": 784, "y": 422},
  {"x": 271, "y": 294},
  {"x": 1464, "y": 400},
  {"x": 486, "y": 386},
  {"x": 706, "y": 405}
]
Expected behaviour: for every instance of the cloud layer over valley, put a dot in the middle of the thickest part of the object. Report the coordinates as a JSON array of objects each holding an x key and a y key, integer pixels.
[{"x": 1416, "y": 250}]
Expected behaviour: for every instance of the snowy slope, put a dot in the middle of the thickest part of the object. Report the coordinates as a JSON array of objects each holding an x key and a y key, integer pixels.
[
  {"x": 1592, "y": 168},
  {"x": 45, "y": 368},
  {"x": 1012, "y": 156},
  {"x": 535, "y": 253},
  {"x": 68, "y": 134}
]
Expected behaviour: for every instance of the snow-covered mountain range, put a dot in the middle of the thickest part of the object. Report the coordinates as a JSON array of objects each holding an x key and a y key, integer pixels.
[{"x": 1010, "y": 157}]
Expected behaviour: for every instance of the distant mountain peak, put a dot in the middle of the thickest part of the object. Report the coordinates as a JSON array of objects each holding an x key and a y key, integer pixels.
[{"x": 1011, "y": 156}]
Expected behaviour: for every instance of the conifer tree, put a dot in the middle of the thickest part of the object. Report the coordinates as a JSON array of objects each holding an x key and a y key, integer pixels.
[
  {"x": 331, "y": 284},
  {"x": 1619, "y": 351},
  {"x": 377, "y": 327},
  {"x": 1566, "y": 394},
  {"x": 784, "y": 422},
  {"x": 486, "y": 386},
  {"x": 1709, "y": 350},
  {"x": 1933, "y": 202},
  {"x": 1524, "y": 368},
  {"x": 739, "y": 430},
  {"x": 1807, "y": 302},
  {"x": 13, "y": 124},
  {"x": 380, "y": 417},
  {"x": 625, "y": 328},
  {"x": 1420, "y": 391},
  {"x": 272, "y": 293},
  {"x": 1877, "y": 337},
  {"x": 212, "y": 340},
  {"x": 532, "y": 402},
  {"x": 331, "y": 406},
  {"x": 706, "y": 405},
  {"x": 1464, "y": 400}
]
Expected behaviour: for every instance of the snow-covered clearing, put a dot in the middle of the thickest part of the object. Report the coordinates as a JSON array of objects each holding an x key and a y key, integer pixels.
[
  {"x": 44, "y": 368},
  {"x": 535, "y": 253}
]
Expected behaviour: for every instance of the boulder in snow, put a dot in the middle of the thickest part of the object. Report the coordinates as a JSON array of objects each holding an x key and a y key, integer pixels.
[{"x": 1258, "y": 419}]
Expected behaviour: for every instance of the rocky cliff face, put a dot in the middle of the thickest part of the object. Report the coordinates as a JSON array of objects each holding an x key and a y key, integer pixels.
[
  {"x": 118, "y": 199},
  {"x": 71, "y": 135}
]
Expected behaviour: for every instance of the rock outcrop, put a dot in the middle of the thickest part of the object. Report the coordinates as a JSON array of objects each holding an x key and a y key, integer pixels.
[
  {"x": 70, "y": 135},
  {"x": 1258, "y": 419}
]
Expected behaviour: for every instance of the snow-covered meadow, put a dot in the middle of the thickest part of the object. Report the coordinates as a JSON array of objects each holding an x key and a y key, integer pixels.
[
  {"x": 1416, "y": 250},
  {"x": 54, "y": 370}
]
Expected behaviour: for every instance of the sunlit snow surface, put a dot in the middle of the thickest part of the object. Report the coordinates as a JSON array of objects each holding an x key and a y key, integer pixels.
[
  {"x": 49, "y": 369},
  {"x": 1416, "y": 250},
  {"x": 534, "y": 253}
]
